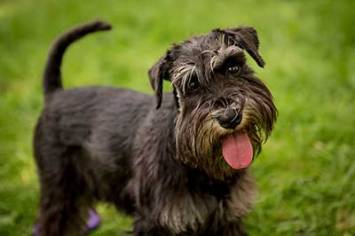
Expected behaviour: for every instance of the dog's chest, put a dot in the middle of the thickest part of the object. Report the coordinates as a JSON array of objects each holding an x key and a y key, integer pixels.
[
  {"x": 187, "y": 211},
  {"x": 219, "y": 204},
  {"x": 195, "y": 212}
]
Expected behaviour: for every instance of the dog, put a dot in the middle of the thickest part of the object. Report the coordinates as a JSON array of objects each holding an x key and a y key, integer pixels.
[{"x": 177, "y": 162}]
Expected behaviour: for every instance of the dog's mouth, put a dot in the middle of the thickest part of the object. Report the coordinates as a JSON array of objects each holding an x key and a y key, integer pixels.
[{"x": 237, "y": 150}]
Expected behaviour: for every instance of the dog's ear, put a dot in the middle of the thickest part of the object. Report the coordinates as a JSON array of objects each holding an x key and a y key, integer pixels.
[
  {"x": 157, "y": 74},
  {"x": 246, "y": 38}
]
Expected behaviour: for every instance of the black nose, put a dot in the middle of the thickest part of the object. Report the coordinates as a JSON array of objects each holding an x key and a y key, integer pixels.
[{"x": 229, "y": 119}]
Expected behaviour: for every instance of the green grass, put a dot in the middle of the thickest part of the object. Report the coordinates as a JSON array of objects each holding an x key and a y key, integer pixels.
[{"x": 306, "y": 173}]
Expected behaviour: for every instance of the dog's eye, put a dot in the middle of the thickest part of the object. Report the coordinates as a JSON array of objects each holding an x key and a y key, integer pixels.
[
  {"x": 193, "y": 83},
  {"x": 232, "y": 66}
]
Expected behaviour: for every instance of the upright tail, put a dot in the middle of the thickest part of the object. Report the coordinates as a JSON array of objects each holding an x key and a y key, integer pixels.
[{"x": 52, "y": 76}]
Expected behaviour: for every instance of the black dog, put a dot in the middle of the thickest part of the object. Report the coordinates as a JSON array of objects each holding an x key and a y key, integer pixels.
[{"x": 178, "y": 164}]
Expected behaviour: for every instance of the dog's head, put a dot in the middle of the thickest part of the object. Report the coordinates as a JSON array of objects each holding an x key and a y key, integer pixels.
[{"x": 225, "y": 111}]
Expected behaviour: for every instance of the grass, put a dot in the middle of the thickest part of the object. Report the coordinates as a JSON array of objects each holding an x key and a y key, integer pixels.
[{"x": 306, "y": 173}]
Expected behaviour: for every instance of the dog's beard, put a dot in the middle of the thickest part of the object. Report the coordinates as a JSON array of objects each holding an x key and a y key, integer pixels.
[
  {"x": 199, "y": 144},
  {"x": 199, "y": 136}
]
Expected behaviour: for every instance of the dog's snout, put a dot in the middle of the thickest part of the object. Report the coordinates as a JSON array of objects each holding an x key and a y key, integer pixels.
[{"x": 230, "y": 118}]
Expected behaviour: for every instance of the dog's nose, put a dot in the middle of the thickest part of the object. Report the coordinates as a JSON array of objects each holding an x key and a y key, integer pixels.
[{"x": 229, "y": 119}]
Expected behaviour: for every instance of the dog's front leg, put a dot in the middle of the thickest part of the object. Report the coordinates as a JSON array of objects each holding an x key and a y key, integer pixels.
[
  {"x": 144, "y": 227},
  {"x": 231, "y": 229}
]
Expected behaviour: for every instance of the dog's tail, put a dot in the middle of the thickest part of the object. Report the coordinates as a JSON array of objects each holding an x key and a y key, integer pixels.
[{"x": 52, "y": 75}]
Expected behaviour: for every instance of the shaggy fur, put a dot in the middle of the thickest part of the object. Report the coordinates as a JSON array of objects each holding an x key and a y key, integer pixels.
[{"x": 163, "y": 166}]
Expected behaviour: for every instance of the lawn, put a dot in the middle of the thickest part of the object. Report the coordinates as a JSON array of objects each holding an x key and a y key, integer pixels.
[{"x": 306, "y": 172}]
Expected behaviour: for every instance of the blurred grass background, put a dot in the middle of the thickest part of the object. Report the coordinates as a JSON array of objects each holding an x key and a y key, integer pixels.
[{"x": 306, "y": 173}]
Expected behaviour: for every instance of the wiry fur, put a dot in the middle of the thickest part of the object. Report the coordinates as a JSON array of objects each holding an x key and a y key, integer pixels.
[{"x": 163, "y": 166}]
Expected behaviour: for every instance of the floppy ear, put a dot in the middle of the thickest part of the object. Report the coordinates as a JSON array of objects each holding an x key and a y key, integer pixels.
[
  {"x": 246, "y": 38},
  {"x": 157, "y": 74}
]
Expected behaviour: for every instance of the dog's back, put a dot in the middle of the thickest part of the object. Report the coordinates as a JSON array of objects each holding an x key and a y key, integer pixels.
[{"x": 74, "y": 113}]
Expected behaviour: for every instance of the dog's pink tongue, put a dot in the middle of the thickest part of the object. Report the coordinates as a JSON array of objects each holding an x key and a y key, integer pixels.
[{"x": 237, "y": 150}]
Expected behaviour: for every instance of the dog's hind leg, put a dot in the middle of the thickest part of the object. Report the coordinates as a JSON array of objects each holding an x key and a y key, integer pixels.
[{"x": 63, "y": 202}]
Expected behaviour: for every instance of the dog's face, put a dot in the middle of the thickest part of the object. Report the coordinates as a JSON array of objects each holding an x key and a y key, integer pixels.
[{"x": 225, "y": 112}]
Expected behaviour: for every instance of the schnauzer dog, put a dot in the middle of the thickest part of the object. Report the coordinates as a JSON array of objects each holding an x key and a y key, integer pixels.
[{"x": 178, "y": 165}]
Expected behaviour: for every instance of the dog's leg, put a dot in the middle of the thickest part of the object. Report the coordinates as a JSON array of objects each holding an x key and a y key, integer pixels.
[
  {"x": 62, "y": 204},
  {"x": 143, "y": 227},
  {"x": 231, "y": 229}
]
